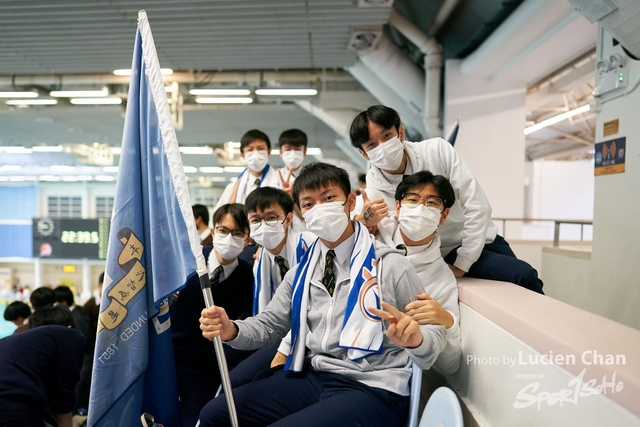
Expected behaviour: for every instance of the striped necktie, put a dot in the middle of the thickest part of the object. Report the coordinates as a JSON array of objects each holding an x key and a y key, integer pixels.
[
  {"x": 329, "y": 279},
  {"x": 215, "y": 277},
  {"x": 283, "y": 268}
]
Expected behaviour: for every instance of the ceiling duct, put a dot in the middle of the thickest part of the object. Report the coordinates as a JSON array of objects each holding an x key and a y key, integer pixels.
[{"x": 621, "y": 18}]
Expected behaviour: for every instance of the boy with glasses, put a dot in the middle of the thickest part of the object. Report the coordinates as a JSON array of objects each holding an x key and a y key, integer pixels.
[
  {"x": 255, "y": 149},
  {"x": 343, "y": 367},
  {"x": 423, "y": 202},
  {"x": 469, "y": 240},
  {"x": 232, "y": 288},
  {"x": 270, "y": 213}
]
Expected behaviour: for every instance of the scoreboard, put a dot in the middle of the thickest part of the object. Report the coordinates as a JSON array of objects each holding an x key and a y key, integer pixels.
[{"x": 70, "y": 238}]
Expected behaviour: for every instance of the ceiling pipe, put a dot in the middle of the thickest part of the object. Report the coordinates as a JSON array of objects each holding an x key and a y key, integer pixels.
[
  {"x": 433, "y": 70},
  {"x": 441, "y": 18},
  {"x": 392, "y": 66},
  {"x": 386, "y": 95}
]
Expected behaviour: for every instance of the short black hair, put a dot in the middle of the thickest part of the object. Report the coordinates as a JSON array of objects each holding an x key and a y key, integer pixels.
[
  {"x": 442, "y": 184},
  {"x": 317, "y": 175},
  {"x": 237, "y": 212},
  {"x": 294, "y": 137},
  {"x": 264, "y": 197},
  {"x": 42, "y": 297},
  {"x": 252, "y": 135},
  {"x": 379, "y": 114},
  {"x": 101, "y": 278},
  {"x": 51, "y": 315},
  {"x": 202, "y": 212},
  {"x": 16, "y": 310},
  {"x": 362, "y": 177},
  {"x": 63, "y": 294}
]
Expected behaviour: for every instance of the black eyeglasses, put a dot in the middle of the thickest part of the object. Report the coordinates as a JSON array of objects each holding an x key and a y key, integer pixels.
[
  {"x": 432, "y": 202},
  {"x": 270, "y": 220},
  {"x": 224, "y": 232}
]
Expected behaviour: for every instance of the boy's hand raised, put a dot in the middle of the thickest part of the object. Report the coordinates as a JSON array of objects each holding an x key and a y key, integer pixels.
[
  {"x": 403, "y": 331},
  {"x": 215, "y": 322},
  {"x": 373, "y": 211}
]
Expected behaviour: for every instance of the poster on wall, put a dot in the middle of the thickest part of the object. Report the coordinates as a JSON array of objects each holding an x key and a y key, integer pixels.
[
  {"x": 609, "y": 156},
  {"x": 70, "y": 238}
]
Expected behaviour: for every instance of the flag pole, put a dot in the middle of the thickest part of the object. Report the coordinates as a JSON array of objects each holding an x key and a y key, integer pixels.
[{"x": 222, "y": 361}]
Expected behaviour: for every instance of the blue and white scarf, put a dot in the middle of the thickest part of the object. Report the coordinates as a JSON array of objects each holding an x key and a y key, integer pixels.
[
  {"x": 362, "y": 332},
  {"x": 264, "y": 284}
]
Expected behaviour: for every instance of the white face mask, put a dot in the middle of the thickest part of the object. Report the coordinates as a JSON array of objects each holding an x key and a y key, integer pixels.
[
  {"x": 228, "y": 247},
  {"x": 388, "y": 155},
  {"x": 268, "y": 236},
  {"x": 292, "y": 158},
  {"x": 418, "y": 222},
  {"x": 326, "y": 220},
  {"x": 257, "y": 160}
]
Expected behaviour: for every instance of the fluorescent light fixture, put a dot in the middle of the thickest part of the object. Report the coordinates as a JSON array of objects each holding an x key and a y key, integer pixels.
[
  {"x": 127, "y": 71},
  {"x": 218, "y": 179},
  {"x": 190, "y": 169},
  {"x": 32, "y": 102},
  {"x": 62, "y": 168},
  {"x": 4, "y": 178},
  {"x": 96, "y": 101},
  {"x": 196, "y": 150},
  {"x": 85, "y": 177},
  {"x": 553, "y": 120},
  {"x": 234, "y": 169},
  {"x": 220, "y": 92},
  {"x": 70, "y": 178},
  {"x": 16, "y": 150},
  {"x": 78, "y": 93},
  {"x": 223, "y": 100},
  {"x": 110, "y": 169},
  {"x": 286, "y": 92},
  {"x": 50, "y": 178},
  {"x": 10, "y": 168},
  {"x": 17, "y": 178},
  {"x": 105, "y": 178},
  {"x": 233, "y": 179},
  {"x": 116, "y": 150},
  {"x": 47, "y": 148},
  {"x": 211, "y": 169},
  {"x": 18, "y": 94}
]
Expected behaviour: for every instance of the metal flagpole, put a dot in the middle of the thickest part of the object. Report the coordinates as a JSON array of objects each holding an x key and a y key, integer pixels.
[{"x": 222, "y": 361}]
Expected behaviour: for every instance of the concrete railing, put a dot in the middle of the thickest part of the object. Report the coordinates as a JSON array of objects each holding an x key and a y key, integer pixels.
[{"x": 530, "y": 360}]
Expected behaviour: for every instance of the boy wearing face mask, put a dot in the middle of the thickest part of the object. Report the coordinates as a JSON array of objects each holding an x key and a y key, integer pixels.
[
  {"x": 343, "y": 367},
  {"x": 232, "y": 287},
  {"x": 470, "y": 243},
  {"x": 423, "y": 202},
  {"x": 293, "y": 149},
  {"x": 255, "y": 149},
  {"x": 270, "y": 213}
]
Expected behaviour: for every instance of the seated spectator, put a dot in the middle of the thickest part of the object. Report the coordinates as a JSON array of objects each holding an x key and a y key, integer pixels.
[
  {"x": 40, "y": 369},
  {"x": 41, "y": 297},
  {"x": 18, "y": 313},
  {"x": 232, "y": 288},
  {"x": 423, "y": 202},
  {"x": 81, "y": 321}
]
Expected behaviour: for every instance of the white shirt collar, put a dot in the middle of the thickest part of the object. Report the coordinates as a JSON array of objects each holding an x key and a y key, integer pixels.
[
  {"x": 343, "y": 250},
  {"x": 206, "y": 233},
  {"x": 227, "y": 269}
]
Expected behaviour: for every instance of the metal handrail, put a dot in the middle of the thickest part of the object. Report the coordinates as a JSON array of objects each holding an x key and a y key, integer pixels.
[{"x": 556, "y": 222}]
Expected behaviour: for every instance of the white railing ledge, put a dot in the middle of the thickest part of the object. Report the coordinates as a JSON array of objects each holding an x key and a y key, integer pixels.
[{"x": 559, "y": 330}]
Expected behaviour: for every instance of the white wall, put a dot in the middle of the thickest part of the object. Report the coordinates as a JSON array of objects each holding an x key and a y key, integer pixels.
[
  {"x": 490, "y": 141},
  {"x": 561, "y": 189}
]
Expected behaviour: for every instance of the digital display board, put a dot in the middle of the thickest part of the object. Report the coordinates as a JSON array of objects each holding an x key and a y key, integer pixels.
[{"x": 70, "y": 238}]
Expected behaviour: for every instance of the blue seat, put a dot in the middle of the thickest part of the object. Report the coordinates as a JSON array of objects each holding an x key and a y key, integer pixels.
[{"x": 442, "y": 410}]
